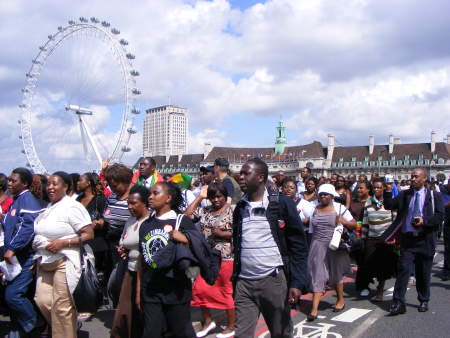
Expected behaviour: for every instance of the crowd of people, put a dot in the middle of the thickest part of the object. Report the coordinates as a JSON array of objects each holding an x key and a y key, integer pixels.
[{"x": 247, "y": 244}]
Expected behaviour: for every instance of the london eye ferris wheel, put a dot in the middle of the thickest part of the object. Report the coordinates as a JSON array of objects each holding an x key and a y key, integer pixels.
[{"x": 79, "y": 100}]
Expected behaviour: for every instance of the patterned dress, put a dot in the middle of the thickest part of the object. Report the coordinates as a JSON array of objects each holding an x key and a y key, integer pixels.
[{"x": 219, "y": 295}]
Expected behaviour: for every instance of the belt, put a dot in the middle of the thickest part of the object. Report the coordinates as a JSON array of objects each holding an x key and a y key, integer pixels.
[
  {"x": 275, "y": 272},
  {"x": 416, "y": 234}
]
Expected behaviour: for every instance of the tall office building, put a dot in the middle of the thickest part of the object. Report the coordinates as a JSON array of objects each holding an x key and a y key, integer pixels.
[{"x": 165, "y": 131}]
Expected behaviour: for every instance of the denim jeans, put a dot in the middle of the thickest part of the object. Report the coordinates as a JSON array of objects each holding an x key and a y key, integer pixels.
[{"x": 23, "y": 315}]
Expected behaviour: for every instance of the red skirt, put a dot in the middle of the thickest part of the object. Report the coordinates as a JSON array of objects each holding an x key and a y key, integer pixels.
[{"x": 217, "y": 296}]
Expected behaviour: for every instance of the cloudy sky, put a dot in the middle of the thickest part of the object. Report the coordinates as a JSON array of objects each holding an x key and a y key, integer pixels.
[{"x": 351, "y": 68}]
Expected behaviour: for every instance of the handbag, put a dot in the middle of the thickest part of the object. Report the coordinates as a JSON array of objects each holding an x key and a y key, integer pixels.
[
  {"x": 335, "y": 242},
  {"x": 348, "y": 239},
  {"x": 87, "y": 295}
]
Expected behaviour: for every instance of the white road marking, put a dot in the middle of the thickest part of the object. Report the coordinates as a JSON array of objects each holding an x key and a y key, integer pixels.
[
  {"x": 351, "y": 315},
  {"x": 321, "y": 317},
  {"x": 366, "y": 324}
]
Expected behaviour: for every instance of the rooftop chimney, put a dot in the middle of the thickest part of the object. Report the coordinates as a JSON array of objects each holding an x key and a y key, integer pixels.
[
  {"x": 448, "y": 138},
  {"x": 207, "y": 147},
  {"x": 371, "y": 144},
  {"x": 391, "y": 144},
  {"x": 433, "y": 141},
  {"x": 330, "y": 147}
]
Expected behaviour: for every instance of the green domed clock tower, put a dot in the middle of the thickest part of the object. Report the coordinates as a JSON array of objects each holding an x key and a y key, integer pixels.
[{"x": 280, "y": 141}]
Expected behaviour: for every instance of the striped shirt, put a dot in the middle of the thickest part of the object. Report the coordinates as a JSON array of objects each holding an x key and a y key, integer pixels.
[
  {"x": 376, "y": 218},
  {"x": 260, "y": 255},
  {"x": 116, "y": 215}
]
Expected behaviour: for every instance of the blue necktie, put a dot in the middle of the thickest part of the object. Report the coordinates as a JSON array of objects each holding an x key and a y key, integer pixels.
[{"x": 416, "y": 209}]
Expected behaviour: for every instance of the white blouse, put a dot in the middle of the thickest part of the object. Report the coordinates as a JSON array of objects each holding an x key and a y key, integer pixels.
[{"x": 61, "y": 220}]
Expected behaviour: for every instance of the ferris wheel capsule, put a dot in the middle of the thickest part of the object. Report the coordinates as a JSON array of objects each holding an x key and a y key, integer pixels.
[
  {"x": 134, "y": 72},
  {"x": 115, "y": 31}
]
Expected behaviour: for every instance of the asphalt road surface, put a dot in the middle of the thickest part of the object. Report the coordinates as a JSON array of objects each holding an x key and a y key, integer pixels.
[{"x": 361, "y": 317}]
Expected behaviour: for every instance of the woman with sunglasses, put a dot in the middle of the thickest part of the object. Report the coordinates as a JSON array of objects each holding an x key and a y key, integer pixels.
[{"x": 326, "y": 266}]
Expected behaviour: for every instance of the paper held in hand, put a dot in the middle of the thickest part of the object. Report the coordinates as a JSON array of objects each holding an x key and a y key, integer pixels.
[{"x": 10, "y": 271}]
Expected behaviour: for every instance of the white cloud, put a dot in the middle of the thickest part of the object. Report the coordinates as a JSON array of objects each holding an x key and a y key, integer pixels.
[
  {"x": 350, "y": 68},
  {"x": 212, "y": 136}
]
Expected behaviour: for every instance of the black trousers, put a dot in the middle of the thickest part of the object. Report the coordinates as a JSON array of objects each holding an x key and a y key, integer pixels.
[
  {"x": 177, "y": 317},
  {"x": 447, "y": 246},
  {"x": 409, "y": 261}
]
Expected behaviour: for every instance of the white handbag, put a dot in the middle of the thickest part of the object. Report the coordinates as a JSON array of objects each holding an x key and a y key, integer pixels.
[
  {"x": 337, "y": 234},
  {"x": 336, "y": 239}
]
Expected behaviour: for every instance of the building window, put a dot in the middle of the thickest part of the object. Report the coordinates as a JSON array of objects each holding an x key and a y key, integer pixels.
[
  {"x": 366, "y": 159},
  {"x": 406, "y": 157},
  {"x": 435, "y": 157},
  {"x": 392, "y": 157},
  {"x": 399, "y": 162},
  {"x": 353, "y": 159}
]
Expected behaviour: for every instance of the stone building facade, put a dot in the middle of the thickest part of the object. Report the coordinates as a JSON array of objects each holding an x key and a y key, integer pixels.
[{"x": 391, "y": 158}]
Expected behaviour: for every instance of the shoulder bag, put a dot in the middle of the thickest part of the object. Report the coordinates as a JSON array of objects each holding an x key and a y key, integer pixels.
[{"x": 87, "y": 294}]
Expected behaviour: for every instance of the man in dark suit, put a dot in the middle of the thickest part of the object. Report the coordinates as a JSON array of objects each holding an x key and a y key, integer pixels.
[{"x": 419, "y": 213}]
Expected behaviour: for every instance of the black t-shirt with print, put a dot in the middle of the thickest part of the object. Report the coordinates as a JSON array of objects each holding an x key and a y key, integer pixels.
[{"x": 156, "y": 287}]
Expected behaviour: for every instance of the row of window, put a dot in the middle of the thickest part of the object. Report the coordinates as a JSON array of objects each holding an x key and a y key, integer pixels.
[
  {"x": 341, "y": 164},
  {"x": 392, "y": 158}
]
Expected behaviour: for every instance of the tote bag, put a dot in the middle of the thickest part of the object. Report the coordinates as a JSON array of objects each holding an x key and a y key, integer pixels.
[{"x": 87, "y": 294}]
